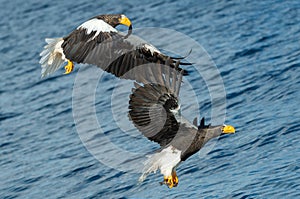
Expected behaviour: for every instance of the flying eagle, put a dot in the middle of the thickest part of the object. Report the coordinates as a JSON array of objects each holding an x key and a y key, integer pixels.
[
  {"x": 154, "y": 109},
  {"x": 98, "y": 42}
]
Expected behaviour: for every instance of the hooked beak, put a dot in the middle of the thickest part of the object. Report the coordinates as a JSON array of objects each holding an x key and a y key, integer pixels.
[
  {"x": 228, "y": 129},
  {"x": 125, "y": 21}
]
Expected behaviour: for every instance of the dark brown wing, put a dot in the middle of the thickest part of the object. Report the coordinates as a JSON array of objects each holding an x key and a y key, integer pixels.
[
  {"x": 113, "y": 52},
  {"x": 154, "y": 107}
]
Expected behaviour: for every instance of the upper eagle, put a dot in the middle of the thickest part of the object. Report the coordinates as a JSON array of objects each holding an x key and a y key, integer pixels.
[
  {"x": 154, "y": 109},
  {"x": 98, "y": 42}
]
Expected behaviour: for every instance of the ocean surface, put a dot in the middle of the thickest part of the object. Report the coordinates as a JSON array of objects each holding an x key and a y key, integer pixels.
[{"x": 51, "y": 148}]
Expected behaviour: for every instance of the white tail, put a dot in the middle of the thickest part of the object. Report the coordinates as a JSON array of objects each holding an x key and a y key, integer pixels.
[
  {"x": 152, "y": 164},
  {"x": 52, "y": 57},
  {"x": 165, "y": 160}
]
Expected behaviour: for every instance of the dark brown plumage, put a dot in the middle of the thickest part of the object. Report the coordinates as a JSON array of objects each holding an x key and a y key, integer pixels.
[
  {"x": 154, "y": 109},
  {"x": 97, "y": 42}
]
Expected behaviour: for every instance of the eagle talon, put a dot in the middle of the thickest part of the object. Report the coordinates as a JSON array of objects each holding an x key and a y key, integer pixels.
[
  {"x": 170, "y": 181},
  {"x": 69, "y": 67}
]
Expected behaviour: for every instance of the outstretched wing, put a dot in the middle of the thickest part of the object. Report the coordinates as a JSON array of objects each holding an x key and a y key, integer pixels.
[
  {"x": 97, "y": 43},
  {"x": 154, "y": 107}
]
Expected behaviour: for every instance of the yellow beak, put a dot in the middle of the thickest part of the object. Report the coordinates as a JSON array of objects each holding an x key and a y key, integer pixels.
[
  {"x": 228, "y": 129},
  {"x": 125, "y": 21}
]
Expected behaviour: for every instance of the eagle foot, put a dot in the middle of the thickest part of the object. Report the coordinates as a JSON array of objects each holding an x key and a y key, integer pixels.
[
  {"x": 170, "y": 181},
  {"x": 69, "y": 67}
]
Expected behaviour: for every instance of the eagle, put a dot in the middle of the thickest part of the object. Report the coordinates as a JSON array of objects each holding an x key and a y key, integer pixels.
[
  {"x": 98, "y": 42},
  {"x": 154, "y": 109}
]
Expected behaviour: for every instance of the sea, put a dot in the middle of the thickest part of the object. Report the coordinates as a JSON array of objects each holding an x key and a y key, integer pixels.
[{"x": 69, "y": 136}]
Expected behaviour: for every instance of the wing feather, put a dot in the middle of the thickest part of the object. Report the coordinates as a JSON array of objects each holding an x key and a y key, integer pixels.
[{"x": 151, "y": 107}]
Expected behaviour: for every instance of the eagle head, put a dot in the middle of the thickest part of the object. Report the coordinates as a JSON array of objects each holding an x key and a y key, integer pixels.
[{"x": 116, "y": 19}]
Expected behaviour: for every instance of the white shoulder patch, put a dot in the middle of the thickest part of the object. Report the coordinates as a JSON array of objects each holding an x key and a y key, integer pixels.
[
  {"x": 151, "y": 48},
  {"x": 97, "y": 25}
]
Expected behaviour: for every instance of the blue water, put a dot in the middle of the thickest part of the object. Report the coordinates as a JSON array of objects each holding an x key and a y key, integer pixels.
[{"x": 254, "y": 44}]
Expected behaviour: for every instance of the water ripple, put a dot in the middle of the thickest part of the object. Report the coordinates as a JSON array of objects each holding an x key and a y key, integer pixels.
[{"x": 256, "y": 49}]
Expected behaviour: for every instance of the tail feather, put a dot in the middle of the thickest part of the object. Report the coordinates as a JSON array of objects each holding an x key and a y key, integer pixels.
[
  {"x": 151, "y": 165},
  {"x": 52, "y": 57},
  {"x": 165, "y": 160}
]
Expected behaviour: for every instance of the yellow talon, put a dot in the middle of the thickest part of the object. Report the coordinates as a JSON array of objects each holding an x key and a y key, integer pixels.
[
  {"x": 69, "y": 67},
  {"x": 171, "y": 181},
  {"x": 175, "y": 178}
]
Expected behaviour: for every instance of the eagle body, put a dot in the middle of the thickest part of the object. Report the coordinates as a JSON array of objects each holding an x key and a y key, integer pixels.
[{"x": 98, "y": 42}]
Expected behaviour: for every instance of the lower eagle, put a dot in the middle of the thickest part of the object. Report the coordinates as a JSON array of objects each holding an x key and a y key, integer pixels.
[{"x": 154, "y": 109}]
